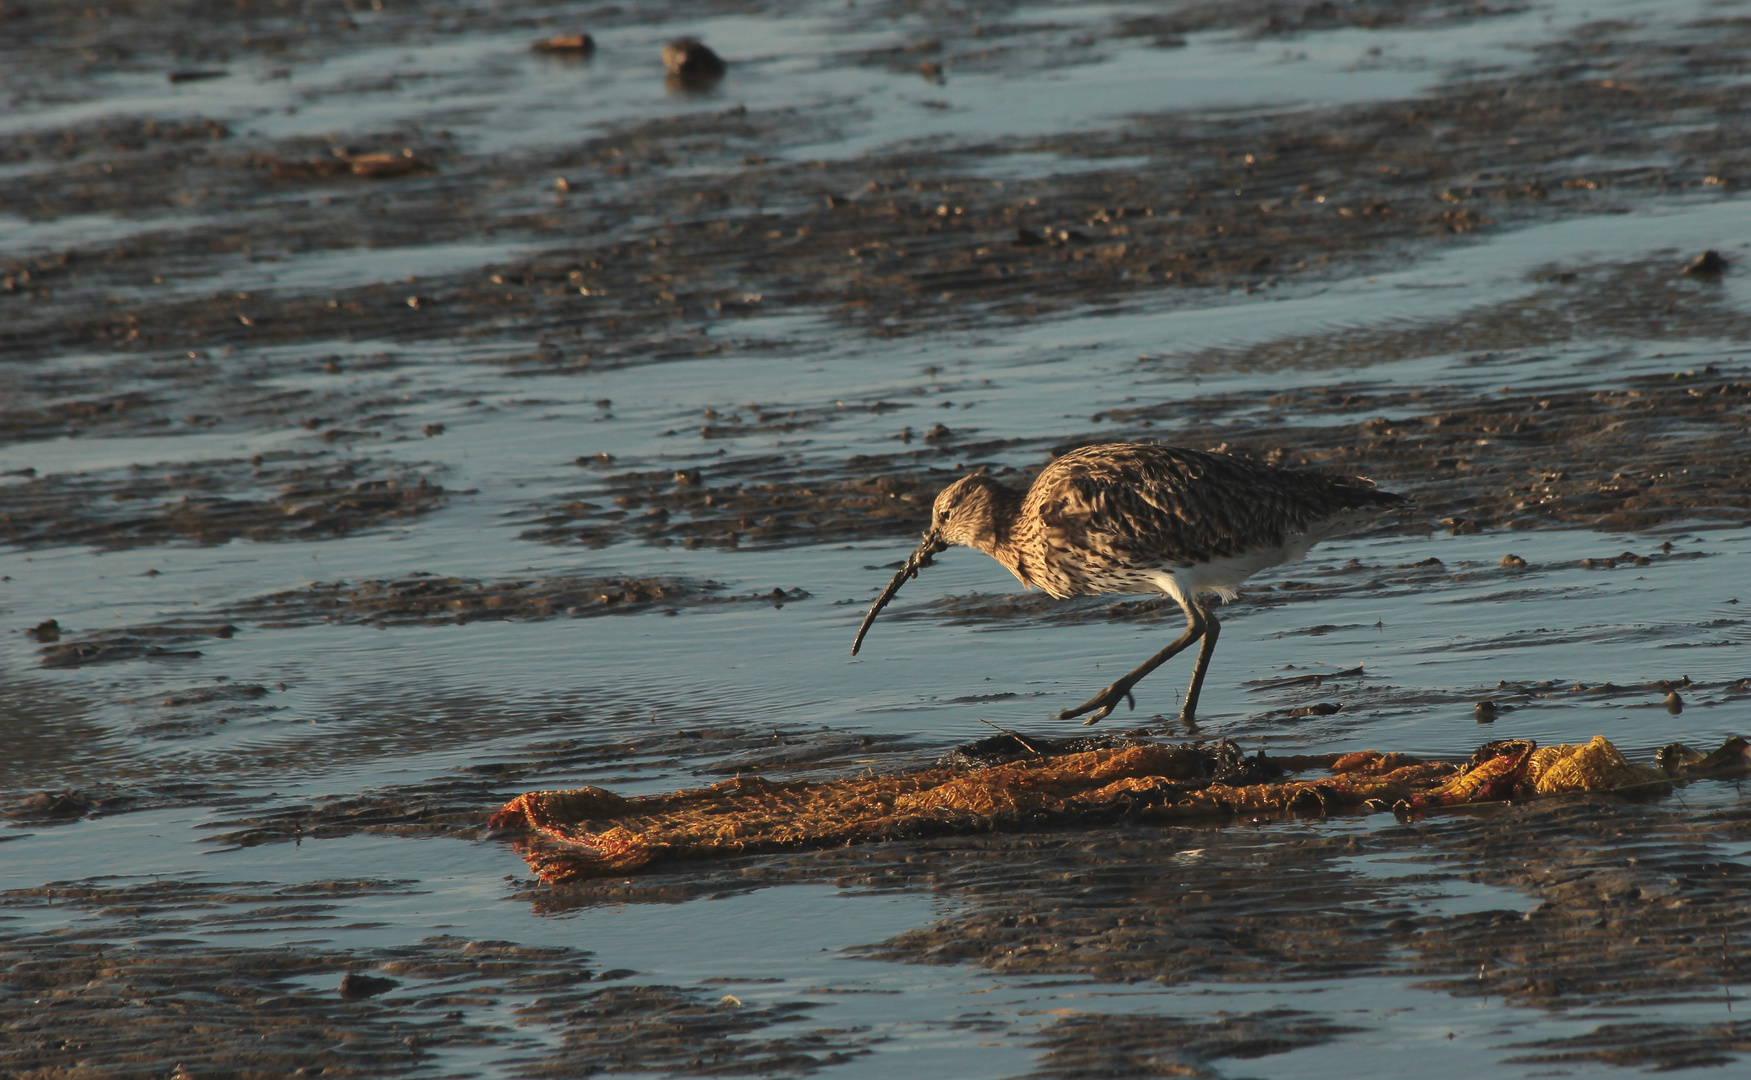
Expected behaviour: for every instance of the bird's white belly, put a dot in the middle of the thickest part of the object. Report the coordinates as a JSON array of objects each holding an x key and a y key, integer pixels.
[{"x": 1222, "y": 575}]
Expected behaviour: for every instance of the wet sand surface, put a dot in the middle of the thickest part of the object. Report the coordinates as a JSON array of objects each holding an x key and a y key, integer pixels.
[{"x": 355, "y": 356}]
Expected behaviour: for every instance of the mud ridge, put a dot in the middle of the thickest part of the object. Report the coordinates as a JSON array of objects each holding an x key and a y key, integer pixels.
[
  {"x": 424, "y": 598},
  {"x": 286, "y": 496}
]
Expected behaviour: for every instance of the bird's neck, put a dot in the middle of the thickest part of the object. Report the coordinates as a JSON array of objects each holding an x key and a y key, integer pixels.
[{"x": 999, "y": 541}]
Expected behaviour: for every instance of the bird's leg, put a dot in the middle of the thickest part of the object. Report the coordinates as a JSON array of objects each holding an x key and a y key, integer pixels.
[
  {"x": 1212, "y": 628},
  {"x": 1107, "y": 700}
]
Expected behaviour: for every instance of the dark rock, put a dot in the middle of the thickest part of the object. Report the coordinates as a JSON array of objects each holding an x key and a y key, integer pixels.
[
  {"x": 692, "y": 64},
  {"x": 354, "y": 986},
  {"x": 45, "y": 631},
  {"x": 1709, "y": 264}
]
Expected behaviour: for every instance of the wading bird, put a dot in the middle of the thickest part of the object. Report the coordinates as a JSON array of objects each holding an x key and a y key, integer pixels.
[{"x": 1141, "y": 518}]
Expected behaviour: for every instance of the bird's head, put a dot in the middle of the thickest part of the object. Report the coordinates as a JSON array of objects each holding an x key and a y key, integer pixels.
[{"x": 967, "y": 513}]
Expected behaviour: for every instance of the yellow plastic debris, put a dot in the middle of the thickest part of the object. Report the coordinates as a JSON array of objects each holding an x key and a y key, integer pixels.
[{"x": 1596, "y": 766}]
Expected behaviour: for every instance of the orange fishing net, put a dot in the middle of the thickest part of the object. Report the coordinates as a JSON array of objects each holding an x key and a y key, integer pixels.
[{"x": 594, "y": 833}]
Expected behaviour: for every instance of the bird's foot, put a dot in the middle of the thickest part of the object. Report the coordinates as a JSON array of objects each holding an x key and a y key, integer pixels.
[{"x": 1104, "y": 703}]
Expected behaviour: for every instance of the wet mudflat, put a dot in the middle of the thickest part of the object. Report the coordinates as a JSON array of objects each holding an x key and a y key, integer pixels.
[{"x": 355, "y": 357}]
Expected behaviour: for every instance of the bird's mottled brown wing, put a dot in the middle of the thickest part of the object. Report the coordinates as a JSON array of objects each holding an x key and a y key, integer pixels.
[{"x": 1136, "y": 503}]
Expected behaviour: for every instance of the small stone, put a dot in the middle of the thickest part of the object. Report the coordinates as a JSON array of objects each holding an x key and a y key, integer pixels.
[
  {"x": 566, "y": 44},
  {"x": 1485, "y": 712},
  {"x": 46, "y": 631},
  {"x": 686, "y": 477},
  {"x": 1709, "y": 264},
  {"x": 932, "y": 72},
  {"x": 382, "y": 166},
  {"x": 1513, "y": 562},
  {"x": 1674, "y": 703},
  {"x": 433, "y": 429},
  {"x": 730, "y": 1001}
]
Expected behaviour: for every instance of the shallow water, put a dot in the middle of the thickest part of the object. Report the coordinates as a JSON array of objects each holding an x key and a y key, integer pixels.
[{"x": 229, "y": 788}]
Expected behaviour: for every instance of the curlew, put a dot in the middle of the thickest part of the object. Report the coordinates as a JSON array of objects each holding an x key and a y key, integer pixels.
[{"x": 1142, "y": 518}]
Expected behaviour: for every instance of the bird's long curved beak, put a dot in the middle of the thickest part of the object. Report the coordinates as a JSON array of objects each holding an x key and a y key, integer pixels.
[{"x": 918, "y": 560}]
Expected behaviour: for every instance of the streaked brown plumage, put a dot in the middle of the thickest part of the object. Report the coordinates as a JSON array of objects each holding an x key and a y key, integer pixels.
[{"x": 1142, "y": 518}]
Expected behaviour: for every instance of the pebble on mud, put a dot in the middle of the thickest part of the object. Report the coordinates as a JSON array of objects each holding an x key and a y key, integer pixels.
[
  {"x": 55, "y": 804},
  {"x": 433, "y": 429},
  {"x": 566, "y": 45},
  {"x": 354, "y": 986},
  {"x": 373, "y": 166},
  {"x": 1709, "y": 264},
  {"x": 1459, "y": 526},
  {"x": 932, "y": 72},
  {"x": 1485, "y": 712},
  {"x": 1513, "y": 562},
  {"x": 692, "y": 65},
  {"x": 1674, "y": 703},
  {"x": 195, "y": 76},
  {"x": 46, "y": 631},
  {"x": 379, "y": 166}
]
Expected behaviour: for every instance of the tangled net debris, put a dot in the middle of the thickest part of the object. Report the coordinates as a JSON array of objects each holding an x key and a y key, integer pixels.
[{"x": 589, "y": 832}]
